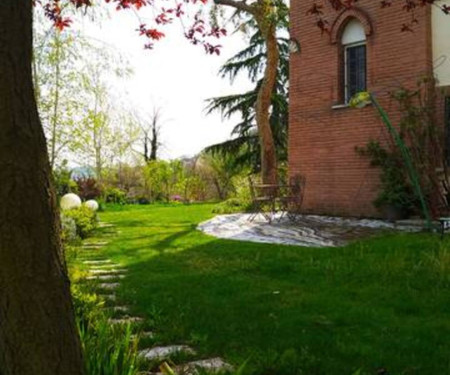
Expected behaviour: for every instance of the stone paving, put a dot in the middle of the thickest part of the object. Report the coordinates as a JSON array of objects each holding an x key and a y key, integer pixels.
[
  {"x": 307, "y": 230},
  {"x": 162, "y": 352},
  {"x": 107, "y": 275}
]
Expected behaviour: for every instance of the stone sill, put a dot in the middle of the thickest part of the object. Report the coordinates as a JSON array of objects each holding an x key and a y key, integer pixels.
[{"x": 340, "y": 106}]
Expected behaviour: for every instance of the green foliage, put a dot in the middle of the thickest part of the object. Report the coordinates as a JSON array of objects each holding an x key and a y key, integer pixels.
[
  {"x": 69, "y": 232},
  {"x": 244, "y": 147},
  {"x": 231, "y": 206},
  {"x": 63, "y": 182},
  {"x": 163, "y": 177},
  {"x": 114, "y": 195},
  {"x": 109, "y": 349},
  {"x": 395, "y": 188},
  {"x": 85, "y": 220}
]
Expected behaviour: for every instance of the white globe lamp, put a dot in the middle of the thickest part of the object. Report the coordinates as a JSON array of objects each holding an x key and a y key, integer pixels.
[
  {"x": 92, "y": 205},
  {"x": 70, "y": 201}
]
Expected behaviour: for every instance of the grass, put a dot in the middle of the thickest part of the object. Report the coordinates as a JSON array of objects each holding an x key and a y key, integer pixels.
[{"x": 378, "y": 303}]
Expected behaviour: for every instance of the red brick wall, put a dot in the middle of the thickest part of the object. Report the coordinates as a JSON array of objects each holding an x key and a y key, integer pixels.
[{"x": 322, "y": 140}]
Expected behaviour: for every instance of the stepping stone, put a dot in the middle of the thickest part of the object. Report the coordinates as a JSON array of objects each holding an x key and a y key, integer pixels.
[
  {"x": 123, "y": 309},
  {"x": 161, "y": 352},
  {"x": 108, "y": 286},
  {"x": 97, "y": 243},
  {"x": 105, "y": 225},
  {"x": 96, "y": 262},
  {"x": 107, "y": 266},
  {"x": 126, "y": 320},
  {"x": 108, "y": 297},
  {"x": 91, "y": 247},
  {"x": 105, "y": 277},
  {"x": 209, "y": 365},
  {"x": 111, "y": 271}
]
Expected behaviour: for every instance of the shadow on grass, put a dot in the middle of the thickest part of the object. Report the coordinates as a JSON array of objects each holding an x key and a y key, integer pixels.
[{"x": 376, "y": 303}]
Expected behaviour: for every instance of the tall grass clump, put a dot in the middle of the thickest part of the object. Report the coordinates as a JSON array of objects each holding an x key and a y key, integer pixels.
[{"x": 109, "y": 349}]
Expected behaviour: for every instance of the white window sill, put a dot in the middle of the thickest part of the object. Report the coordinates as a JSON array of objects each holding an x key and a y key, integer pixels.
[{"x": 340, "y": 106}]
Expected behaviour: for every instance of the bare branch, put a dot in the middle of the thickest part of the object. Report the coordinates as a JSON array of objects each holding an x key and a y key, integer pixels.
[{"x": 240, "y": 5}]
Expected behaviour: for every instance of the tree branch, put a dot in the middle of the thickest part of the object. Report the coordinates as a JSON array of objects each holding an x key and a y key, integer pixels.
[{"x": 240, "y": 5}]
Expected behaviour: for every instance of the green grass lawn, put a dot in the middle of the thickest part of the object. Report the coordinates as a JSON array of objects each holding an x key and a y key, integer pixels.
[{"x": 382, "y": 302}]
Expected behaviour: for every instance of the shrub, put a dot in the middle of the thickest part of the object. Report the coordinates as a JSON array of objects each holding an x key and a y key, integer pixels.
[
  {"x": 85, "y": 220},
  {"x": 68, "y": 229},
  {"x": 115, "y": 195},
  {"x": 395, "y": 188},
  {"x": 88, "y": 188},
  {"x": 230, "y": 206}
]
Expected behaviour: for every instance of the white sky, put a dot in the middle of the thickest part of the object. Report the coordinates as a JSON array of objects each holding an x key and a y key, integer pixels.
[{"x": 175, "y": 76}]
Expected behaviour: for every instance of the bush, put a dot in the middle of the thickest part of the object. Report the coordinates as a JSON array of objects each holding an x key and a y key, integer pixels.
[
  {"x": 68, "y": 229},
  {"x": 88, "y": 188},
  {"x": 85, "y": 220},
  {"x": 230, "y": 206},
  {"x": 115, "y": 195}
]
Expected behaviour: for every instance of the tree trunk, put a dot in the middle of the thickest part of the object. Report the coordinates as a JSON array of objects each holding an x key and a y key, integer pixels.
[
  {"x": 269, "y": 172},
  {"x": 268, "y": 28},
  {"x": 37, "y": 328},
  {"x": 154, "y": 142}
]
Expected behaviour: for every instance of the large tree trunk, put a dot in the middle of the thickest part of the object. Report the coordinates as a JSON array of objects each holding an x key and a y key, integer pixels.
[
  {"x": 37, "y": 329},
  {"x": 269, "y": 170}
]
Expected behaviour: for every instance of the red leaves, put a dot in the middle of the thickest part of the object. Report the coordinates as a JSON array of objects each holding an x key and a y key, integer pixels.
[
  {"x": 53, "y": 12},
  {"x": 127, "y": 4},
  {"x": 150, "y": 33}
]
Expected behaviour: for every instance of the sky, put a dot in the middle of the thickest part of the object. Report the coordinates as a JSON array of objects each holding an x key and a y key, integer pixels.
[{"x": 176, "y": 77}]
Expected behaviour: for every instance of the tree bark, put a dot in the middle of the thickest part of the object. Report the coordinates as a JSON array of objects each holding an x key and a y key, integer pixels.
[
  {"x": 269, "y": 165},
  {"x": 37, "y": 327}
]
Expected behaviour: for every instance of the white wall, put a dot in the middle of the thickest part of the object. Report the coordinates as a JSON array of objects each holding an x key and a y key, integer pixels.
[{"x": 441, "y": 44}]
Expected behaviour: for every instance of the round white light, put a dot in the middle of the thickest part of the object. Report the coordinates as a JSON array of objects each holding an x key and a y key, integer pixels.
[
  {"x": 70, "y": 201},
  {"x": 92, "y": 205}
]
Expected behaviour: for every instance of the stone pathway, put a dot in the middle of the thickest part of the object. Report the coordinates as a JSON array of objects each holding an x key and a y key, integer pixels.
[
  {"x": 107, "y": 276},
  {"x": 308, "y": 230}
]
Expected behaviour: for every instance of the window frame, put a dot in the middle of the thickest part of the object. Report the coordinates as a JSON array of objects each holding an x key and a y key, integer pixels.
[{"x": 345, "y": 62}]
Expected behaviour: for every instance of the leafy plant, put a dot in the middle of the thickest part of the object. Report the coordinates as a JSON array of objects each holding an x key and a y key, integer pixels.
[
  {"x": 395, "y": 189},
  {"x": 85, "y": 220},
  {"x": 114, "y": 195},
  {"x": 109, "y": 349},
  {"x": 68, "y": 229},
  {"x": 88, "y": 188},
  {"x": 230, "y": 206},
  {"x": 63, "y": 182}
]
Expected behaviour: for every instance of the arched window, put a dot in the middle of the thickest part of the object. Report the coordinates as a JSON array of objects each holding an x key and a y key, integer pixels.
[{"x": 353, "y": 41}]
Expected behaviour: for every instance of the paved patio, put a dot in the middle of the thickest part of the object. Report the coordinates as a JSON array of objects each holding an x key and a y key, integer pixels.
[{"x": 309, "y": 230}]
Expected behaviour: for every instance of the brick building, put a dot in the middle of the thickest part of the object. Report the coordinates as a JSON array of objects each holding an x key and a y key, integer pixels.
[{"x": 365, "y": 50}]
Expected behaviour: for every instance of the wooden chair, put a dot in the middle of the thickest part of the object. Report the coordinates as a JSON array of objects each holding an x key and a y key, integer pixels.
[
  {"x": 263, "y": 201},
  {"x": 291, "y": 203}
]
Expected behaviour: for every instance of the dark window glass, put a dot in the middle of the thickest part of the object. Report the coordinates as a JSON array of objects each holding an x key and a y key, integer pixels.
[{"x": 355, "y": 71}]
